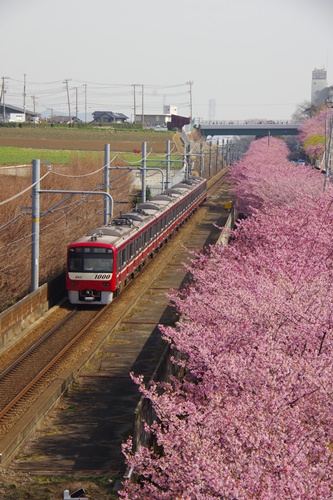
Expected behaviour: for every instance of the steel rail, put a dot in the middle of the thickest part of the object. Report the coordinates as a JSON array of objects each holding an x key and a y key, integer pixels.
[
  {"x": 23, "y": 356},
  {"x": 51, "y": 364}
]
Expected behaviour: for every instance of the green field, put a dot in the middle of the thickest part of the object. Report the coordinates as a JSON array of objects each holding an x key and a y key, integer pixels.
[
  {"x": 61, "y": 145},
  {"x": 23, "y": 156}
]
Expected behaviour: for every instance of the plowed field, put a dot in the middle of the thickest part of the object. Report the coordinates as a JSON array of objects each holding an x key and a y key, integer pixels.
[{"x": 81, "y": 139}]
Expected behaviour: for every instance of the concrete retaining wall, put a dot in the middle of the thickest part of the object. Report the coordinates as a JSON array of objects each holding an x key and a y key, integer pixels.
[
  {"x": 144, "y": 410},
  {"x": 17, "y": 318},
  {"x": 228, "y": 227}
]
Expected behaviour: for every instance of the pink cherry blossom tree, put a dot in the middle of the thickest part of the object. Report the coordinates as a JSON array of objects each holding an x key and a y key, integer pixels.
[
  {"x": 265, "y": 177},
  {"x": 252, "y": 417},
  {"x": 313, "y": 132}
]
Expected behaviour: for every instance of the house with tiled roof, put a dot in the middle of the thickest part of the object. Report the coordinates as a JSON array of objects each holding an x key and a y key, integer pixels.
[
  {"x": 102, "y": 117},
  {"x": 64, "y": 119}
]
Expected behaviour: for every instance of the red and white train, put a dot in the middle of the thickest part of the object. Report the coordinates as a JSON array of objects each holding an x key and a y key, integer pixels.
[{"x": 101, "y": 263}]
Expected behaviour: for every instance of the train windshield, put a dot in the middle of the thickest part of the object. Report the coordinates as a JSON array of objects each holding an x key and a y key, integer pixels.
[{"x": 90, "y": 259}]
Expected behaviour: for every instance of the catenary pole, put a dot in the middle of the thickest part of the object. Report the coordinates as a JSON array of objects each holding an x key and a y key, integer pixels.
[
  {"x": 35, "y": 215},
  {"x": 201, "y": 159},
  {"x": 168, "y": 164},
  {"x": 144, "y": 164},
  {"x": 106, "y": 181},
  {"x": 143, "y": 110}
]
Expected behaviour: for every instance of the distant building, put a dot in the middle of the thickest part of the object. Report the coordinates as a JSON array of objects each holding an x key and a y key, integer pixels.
[
  {"x": 324, "y": 95},
  {"x": 178, "y": 122},
  {"x": 14, "y": 114},
  {"x": 319, "y": 84},
  {"x": 170, "y": 110},
  {"x": 103, "y": 117},
  {"x": 211, "y": 109},
  {"x": 64, "y": 119},
  {"x": 156, "y": 120}
]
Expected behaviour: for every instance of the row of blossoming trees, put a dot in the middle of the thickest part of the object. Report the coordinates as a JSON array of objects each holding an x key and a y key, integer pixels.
[{"x": 253, "y": 416}]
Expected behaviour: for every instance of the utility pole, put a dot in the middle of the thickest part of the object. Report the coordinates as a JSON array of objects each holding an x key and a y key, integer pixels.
[
  {"x": 142, "y": 114},
  {"x": 76, "y": 102},
  {"x": 3, "y": 97},
  {"x": 24, "y": 95},
  {"x": 217, "y": 155},
  {"x": 190, "y": 83},
  {"x": 85, "y": 102},
  {"x": 69, "y": 105},
  {"x": 134, "y": 109},
  {"x": 34, "y": 106},
  {"x": 328, "y": 142}
]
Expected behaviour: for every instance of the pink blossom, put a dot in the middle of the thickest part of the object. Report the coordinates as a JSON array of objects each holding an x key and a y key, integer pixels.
[{"x": 253, "y": 416}]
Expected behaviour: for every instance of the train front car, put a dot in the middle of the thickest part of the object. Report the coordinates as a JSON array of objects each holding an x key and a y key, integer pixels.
[{"x": 90, "y": 273}]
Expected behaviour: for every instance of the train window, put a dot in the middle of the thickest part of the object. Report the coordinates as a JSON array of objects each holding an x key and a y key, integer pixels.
[
  {"x": 138, "y": 243},
  {"x": 90, "y": 259},
  {"x": 74, "y": 263},
  {"x": 131, "y": 253},
  {"x": 123, "y": 256}
]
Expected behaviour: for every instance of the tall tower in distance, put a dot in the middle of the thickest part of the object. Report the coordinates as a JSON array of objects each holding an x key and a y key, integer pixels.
[
  {"x": 211, "y": 109},
  {"x": 319, "y": 83}
]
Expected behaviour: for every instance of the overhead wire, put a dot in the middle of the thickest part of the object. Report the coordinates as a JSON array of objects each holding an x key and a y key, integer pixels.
[
  {"x": 77, "y": 176},
  {"x": 20, "y": 216},
  {"x": 30, "y": 234},
  {"x": 42, "y": 92},
  {"x": 24, "y": 190},
  {"x": 11, "y": 222}
]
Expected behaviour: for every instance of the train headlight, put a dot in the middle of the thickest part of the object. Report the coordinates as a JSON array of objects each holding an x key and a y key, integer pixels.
[
  {"x": 74, "y": 283},
  {"x": 106, "y": 284}
]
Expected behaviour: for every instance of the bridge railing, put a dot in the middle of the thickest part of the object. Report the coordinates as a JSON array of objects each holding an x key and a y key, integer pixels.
[{"x": 244, "y": 122}]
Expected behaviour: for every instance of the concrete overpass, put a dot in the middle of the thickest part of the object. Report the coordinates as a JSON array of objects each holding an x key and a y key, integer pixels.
[{"x": 260, "y": 129}]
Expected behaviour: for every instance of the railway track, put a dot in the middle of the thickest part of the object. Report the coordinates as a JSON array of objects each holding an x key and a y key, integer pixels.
[
  {"x": 24, "y": 378},
  {"x": 64, "y": 345}
]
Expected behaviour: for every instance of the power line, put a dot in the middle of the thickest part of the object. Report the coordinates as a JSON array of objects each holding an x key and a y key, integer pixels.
[{"x": 51, "y": 94}]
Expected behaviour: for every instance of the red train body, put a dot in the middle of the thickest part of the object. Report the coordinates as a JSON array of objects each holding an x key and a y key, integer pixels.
[{"x": 100, "y": 263}]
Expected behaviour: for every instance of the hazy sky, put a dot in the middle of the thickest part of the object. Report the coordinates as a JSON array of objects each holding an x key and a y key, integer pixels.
[{"x": 246, "y": 58}]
